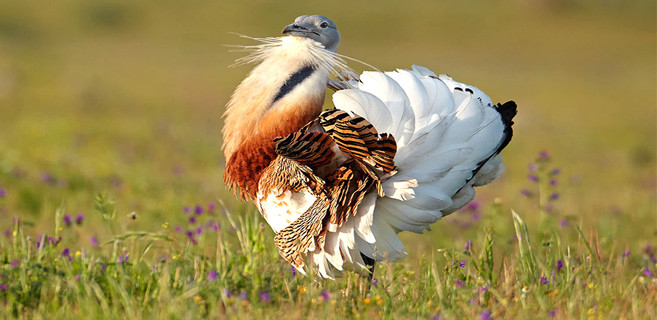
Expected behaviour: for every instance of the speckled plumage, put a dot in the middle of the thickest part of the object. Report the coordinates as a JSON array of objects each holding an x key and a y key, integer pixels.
[{"x": 339, "y": 192}]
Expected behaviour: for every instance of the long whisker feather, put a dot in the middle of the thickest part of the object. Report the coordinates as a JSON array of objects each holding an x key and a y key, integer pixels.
[{"x": 325, "y": 59}]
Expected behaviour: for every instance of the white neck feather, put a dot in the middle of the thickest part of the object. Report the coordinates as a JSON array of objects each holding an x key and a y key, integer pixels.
[{"x": 280, "y": 58}]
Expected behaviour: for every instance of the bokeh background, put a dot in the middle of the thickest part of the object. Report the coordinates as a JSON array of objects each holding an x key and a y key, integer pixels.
[{"x": 126, "y": 97}]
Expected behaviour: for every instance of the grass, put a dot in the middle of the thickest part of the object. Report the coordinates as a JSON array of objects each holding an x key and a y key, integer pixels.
[
  {"x": 111, "y": 111},
  {"x": 231, "y": 269}
]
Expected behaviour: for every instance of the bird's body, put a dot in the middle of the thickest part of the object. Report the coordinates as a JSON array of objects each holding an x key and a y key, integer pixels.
[{"x": 401, "y": 150}]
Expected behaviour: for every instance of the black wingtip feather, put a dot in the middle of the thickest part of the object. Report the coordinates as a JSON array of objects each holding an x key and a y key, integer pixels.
[{"x": 507, "y": 111}]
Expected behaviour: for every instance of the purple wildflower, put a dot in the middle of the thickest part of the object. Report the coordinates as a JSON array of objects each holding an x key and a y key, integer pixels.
[
  {"x": 532, "y": 167},
  {"x": 648, "y": 249},
  {"x": 198, "y": 209},
  {"x": 553, "y": 182},
  {"x": 462, "y": 264},
  {"x": 647, "y": 273},
  {"x": 192, "y": 220},
  {"x": 211, "y": 207},
  {"x": 243, "y": 295},
  {"x": 93, "y": 241},
  {"x": 79, "y": 218},
  {"x": 103, "y": 267},
  {"x": 265, "y": 297},
  {"x": 544, "y": 280},
  {"x": 8, "y": 233},
  {"x": 212, "y": 276},
  {"x": 526, "y": 193},
  {"x": 555, "y": 171},
  {"x": 77, "y": 277},
  {"x": 227, "y": 293},
  {"x": 123, "y": 258},
  {"x": 326, "y": 296},
  {"x": 559, "y": 265},
  {"x": 483, "y": 289},
  {"x": 3, "y": 192},
  {"x": 474, "y": 206},
  {"x": 484, "y": 315},
  {"x": 294, "y": 271},
  {"x": 177, "y": 228},
  {"x": 3, "y": 286},
  {"x": 544, "y": 155},
  {"x": 552, "y": 313},
  {"x": 154, "y": 268},
  {"x": 375, "y": 282},
  {"x": 67, "y": 220},
  {"x": 563, "y": 223},
  {"x": 67, "y": 254},
  {"x": 15, "y": 263},
  {"x": 187, "y": 209},
  {"x": 436, "y": 316},
  {"x": 468, "y": 247},
  {"x": 190, "y": 236},
  {"x": 38, "y": 244},
  {"x": 625, "y": 254},
  {"x": 48, "y": 178},
  {"x": 532, "y": 177},
  {"x": 215, "y": 227},
  {"x": 459, "y": 283},
  {"x": 199, "y": 230},
  {"x": 554, "y": 196}
]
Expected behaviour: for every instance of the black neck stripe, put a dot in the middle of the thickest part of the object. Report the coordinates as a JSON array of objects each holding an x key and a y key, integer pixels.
[{"x": 294, "y": 80}]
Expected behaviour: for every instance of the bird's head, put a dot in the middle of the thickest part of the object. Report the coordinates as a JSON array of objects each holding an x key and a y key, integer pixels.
[{"x": 315, "y": 27}]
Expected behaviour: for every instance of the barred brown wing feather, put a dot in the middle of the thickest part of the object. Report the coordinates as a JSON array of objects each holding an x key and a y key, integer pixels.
[
  {"x": 296, "y": 238},
  {"x": 328, "y": 118},
  {"x": 384, "y": 152},
  {"x": 387, "y": 144},
  {"x": 357, "y": 137},
  {"x": 349, "y": 141},
  {"x": 345, "y": 188},
  {"x": 308, "y": 148}
]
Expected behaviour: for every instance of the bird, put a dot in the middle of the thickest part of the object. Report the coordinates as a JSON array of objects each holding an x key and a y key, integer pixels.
[{"x": 399, "y": 150}]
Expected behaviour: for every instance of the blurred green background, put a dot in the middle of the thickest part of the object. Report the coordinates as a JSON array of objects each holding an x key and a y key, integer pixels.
[{"x": 126, "y": 98}]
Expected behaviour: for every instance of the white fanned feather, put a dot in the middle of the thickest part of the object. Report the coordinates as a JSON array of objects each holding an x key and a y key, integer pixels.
[{"x": 444, "y": 130}]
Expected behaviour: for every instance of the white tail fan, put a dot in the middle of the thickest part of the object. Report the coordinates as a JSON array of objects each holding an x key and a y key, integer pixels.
[{"x": 446, "y": 132}]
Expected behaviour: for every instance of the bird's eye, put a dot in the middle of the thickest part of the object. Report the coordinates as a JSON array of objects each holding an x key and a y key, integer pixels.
[{"x": 324, "y": 25}]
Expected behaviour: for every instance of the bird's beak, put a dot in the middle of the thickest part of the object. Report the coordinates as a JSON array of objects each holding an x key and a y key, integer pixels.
[{"x": 295, "y": 29}]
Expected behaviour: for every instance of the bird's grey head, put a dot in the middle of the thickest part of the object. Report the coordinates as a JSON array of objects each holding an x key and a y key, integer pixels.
[{"x": 318, "y": 28}]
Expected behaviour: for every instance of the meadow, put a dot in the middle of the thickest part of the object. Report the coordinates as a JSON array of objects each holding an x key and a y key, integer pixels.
[{"x": 112, "y": 203}]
